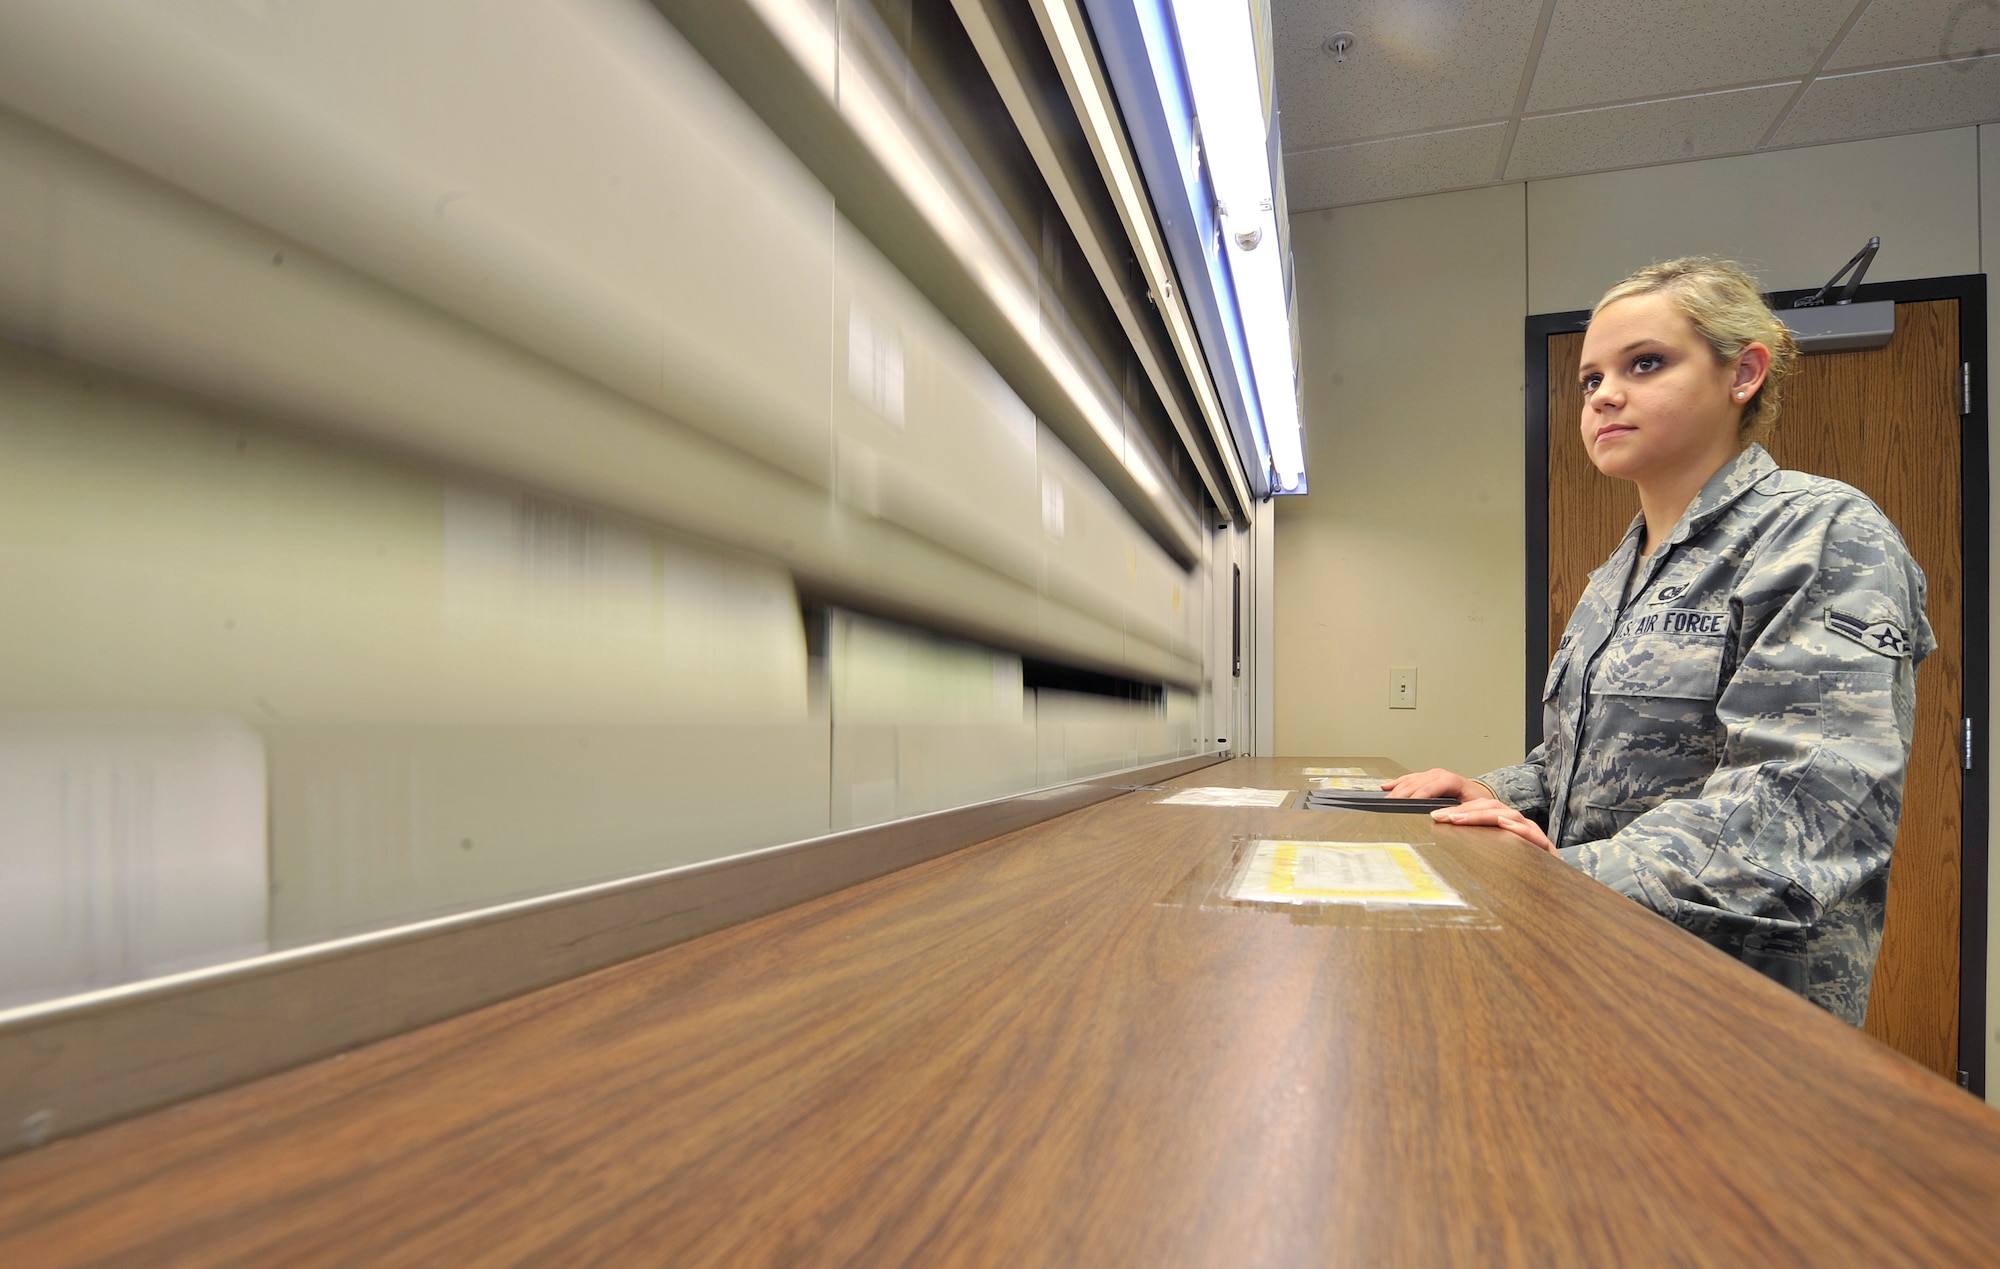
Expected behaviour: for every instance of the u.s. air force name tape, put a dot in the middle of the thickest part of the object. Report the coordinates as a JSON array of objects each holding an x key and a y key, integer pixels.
[{"x": 1676, "y": 621}]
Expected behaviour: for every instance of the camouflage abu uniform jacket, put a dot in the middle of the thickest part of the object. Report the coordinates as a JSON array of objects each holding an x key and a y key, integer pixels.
[{"x": 1728, "y": 747}]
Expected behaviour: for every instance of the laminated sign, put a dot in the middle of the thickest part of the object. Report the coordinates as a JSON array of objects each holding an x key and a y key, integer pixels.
[
  {"x": 1385, "y": 873},
  {"x": 1206, "y": 796}
]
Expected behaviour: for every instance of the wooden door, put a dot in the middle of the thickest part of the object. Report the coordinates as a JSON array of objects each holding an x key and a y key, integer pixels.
[{"x": 1884, "y": 420}]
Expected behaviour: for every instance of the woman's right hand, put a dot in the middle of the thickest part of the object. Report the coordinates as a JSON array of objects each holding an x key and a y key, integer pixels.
[{"x": 1437, "y": 783}]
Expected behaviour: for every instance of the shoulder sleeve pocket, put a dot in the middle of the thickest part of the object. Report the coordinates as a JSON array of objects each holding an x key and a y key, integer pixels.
[{"x": 1858, "y": 714}]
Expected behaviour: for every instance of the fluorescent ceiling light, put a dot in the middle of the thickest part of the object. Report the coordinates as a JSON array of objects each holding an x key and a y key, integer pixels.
[{"x": 1221, "y": 59}]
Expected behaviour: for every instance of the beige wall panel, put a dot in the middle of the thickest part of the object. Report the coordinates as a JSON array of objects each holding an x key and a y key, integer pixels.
[
  {"x": 927, "y": 434},
  {"x": 362, "y": 368},
  {"x": 1792, "y": 215},
  {"x": 112, "y": 268},
  {"x": 465, "y": 692},
  {"x": 106, "y": 266},
  {"x": 1159, "y": 740},
  {"x": 1101, "y": 565},
  {"x": 571, "y": 177},
  {"x": 1109, "y": 591},
  {"x": 161, "y": 554},
  {"x": 921, "y": 723},
  {"x": 1160, "y": 601},
  {"x": 131, "y": 843},
  {"x": 881, "y": 672},
  {"x": 109, "y": 267},
  {"x": 1408, "y": 549},
  {"x": 1087, "y": 538},
  {"x": 947, "y": 765},
  {"x": 888, "y": 567},
  {"x": 863, "y": 789},
  {"x": 373, "y": 826},
  {"x": 1077, "y": 735},
  {"x": 1152, "y": 663},
  {"x": 1191, "y": 626},
  {"x": 1099, "y": 644}
]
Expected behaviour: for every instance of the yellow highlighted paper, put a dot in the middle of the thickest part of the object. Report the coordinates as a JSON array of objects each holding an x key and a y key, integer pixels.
[
  {"x": 1371, "y": 783},
  {"x": 1332, "y": 771},
  {"x": 1341, "y": 872},
  {"x": 1206, "y": 796}
]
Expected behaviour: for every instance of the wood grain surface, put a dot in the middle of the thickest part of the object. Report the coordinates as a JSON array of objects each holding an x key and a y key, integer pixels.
[
  {"x": 1018, "y": 1054},
  {"x": 1885, "y": 420}
]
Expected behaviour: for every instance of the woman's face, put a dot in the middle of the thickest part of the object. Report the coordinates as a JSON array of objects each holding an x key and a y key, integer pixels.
[{"x": 1656, "y": 403}]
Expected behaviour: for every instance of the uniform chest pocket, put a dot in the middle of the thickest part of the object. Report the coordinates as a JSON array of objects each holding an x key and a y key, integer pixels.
[{"x": 1672, "y": 667}]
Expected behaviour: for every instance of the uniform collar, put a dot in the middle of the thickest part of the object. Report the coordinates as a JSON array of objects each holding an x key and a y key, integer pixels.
[
  {"x": 1735, "y": 479},
  {"x": 1731, "y": 482}
]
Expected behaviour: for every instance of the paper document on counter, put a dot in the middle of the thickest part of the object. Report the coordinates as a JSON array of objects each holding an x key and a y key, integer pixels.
[
  {"x": 1341, "y": 872},
  {"x": 1332, "y": 771},
  {"x": 1370, "y": 783},
  {"x": 1228, "y": 797}
]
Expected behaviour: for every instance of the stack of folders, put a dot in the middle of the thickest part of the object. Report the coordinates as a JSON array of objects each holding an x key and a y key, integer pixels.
[{"x": 1371, "y": 800}]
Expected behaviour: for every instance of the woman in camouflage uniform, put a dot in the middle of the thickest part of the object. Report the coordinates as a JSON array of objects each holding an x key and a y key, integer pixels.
[{"x": 1729, "y": 712}]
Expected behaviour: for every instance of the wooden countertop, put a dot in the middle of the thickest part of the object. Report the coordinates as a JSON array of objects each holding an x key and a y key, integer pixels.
[{"x": 1017, "y": 1054}]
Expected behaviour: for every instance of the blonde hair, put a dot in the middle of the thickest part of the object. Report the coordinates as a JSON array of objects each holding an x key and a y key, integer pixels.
[{"x": 1721, "y": 300}]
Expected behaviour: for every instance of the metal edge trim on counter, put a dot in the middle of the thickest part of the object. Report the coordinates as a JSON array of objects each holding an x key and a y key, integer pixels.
[{"x": 78, "y": 1062}]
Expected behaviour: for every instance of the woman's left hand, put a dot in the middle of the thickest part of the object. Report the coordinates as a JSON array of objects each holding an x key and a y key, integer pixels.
[{"x": 1493, "y": 813}]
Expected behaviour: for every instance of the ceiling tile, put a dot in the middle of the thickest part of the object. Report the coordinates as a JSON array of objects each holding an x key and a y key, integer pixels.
[
  {"x": 1919, "y": 30},
  {"x": 1396, "y": 168},
  {"x": 1417, "y": 65},
  {"x": 1597, "y": 52},
  {"x": 1909, "y": 99},
  {"x": 1649, "y": 132}
]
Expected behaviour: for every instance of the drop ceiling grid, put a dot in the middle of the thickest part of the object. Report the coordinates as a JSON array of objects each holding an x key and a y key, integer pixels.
[
  {"x": 1371, "y": 171},
  {"x": 1645, "y": 133},
  {"x": 1919, "y": 31},
  {"x": 1907, "y": 99},
  {"x": 1431, "y": 84},
  {"x": 1428, "y": 66},
  {"x": 1599, "y": 52}
]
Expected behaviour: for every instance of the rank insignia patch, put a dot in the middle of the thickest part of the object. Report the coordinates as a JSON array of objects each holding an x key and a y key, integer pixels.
[{"x": 1885, "y": 637}]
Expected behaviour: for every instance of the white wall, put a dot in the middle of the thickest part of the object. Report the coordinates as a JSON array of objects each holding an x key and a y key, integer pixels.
[
  {"x": 1409, "y": 550},
  {"x": 1794, "y": 216}
]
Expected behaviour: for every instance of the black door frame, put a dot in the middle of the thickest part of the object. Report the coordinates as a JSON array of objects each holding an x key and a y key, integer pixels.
[{"x": 1969, "y": 290}]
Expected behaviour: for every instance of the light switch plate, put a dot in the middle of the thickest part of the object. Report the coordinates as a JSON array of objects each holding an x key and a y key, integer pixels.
[{"x": 1402, "y": 687}]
